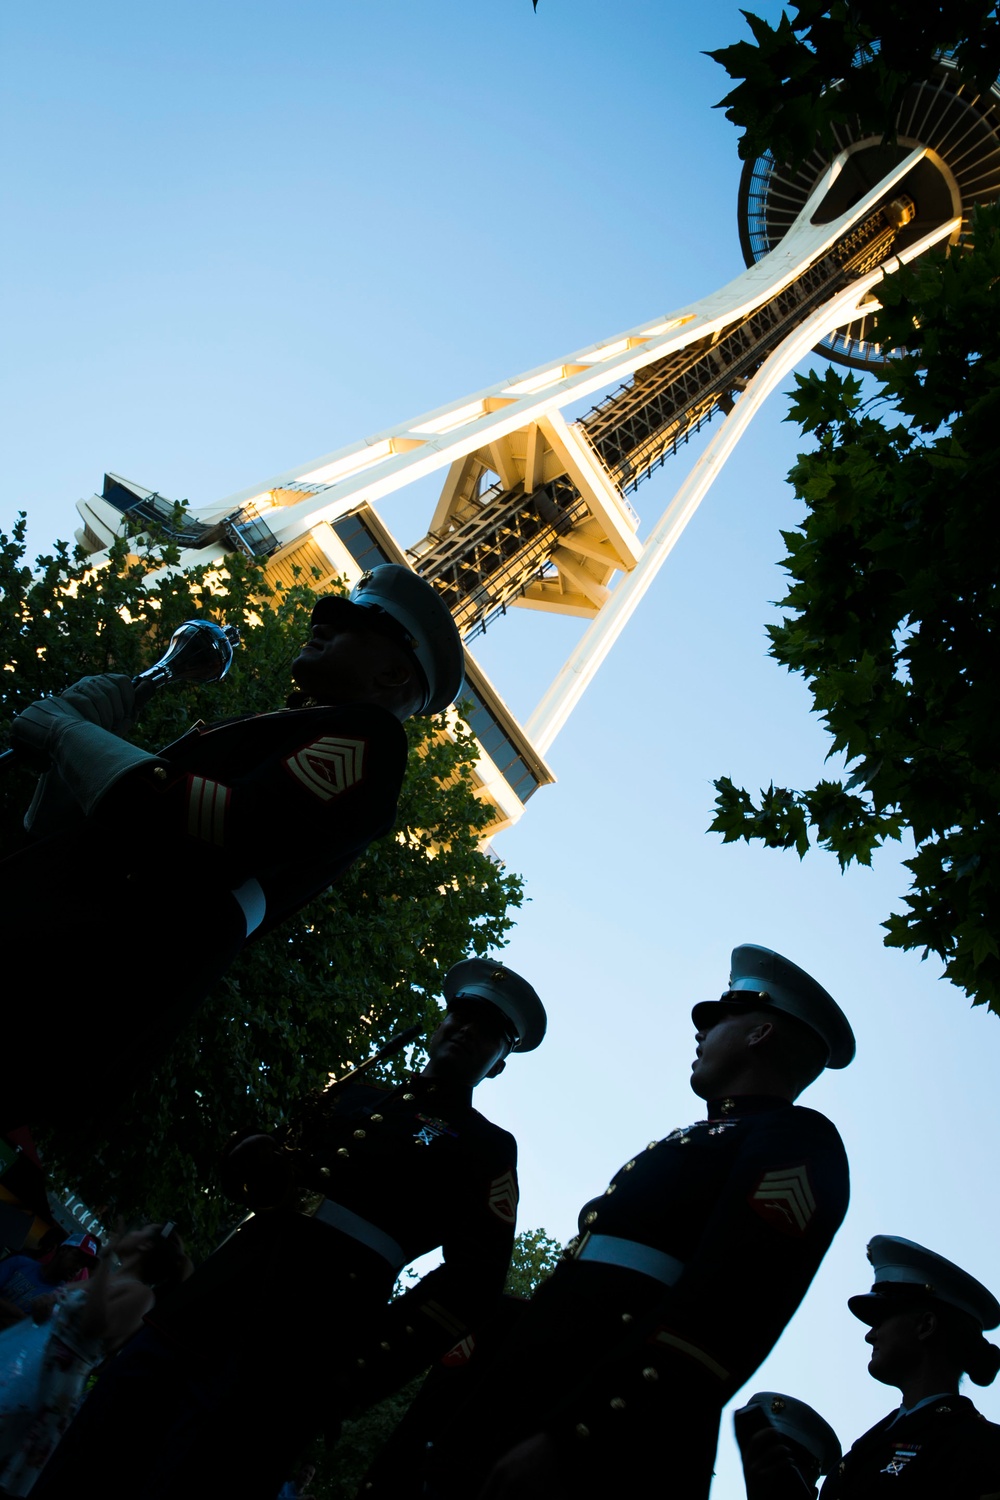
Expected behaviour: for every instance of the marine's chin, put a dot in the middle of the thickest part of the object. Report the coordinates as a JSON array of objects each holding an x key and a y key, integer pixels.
[{"x": 699, "y": 1085}]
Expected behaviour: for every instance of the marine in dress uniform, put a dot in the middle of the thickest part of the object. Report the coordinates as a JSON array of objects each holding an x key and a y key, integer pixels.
[
  {"x": 687, "y": 1267},
  {"x": 785, "y": 1446},
  {"x": 221, "y": 836},
  {"x": 926, "y": 1318},
  {"x": 291, "y": 1318}
]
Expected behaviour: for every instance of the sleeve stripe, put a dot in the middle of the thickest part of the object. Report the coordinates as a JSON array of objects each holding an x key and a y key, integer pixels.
[{"x": 207, "y": 804}]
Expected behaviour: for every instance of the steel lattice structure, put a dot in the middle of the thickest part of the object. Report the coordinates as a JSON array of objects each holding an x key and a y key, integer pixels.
[{"x": 534, "y": 510}]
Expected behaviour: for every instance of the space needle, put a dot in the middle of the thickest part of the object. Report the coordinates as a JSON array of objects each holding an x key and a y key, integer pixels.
[{"x": 536, "y": 508}]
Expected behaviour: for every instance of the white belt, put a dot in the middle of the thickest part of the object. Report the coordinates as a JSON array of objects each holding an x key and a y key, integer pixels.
[
  {"x": 357, "y": 1228},
  {"x": 609, "y": 1250},
  {"x": 250, "y": 898}
]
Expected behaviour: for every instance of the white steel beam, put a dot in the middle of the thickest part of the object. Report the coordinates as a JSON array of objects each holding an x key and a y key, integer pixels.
[
  {"x": 400, "y": 455},
  {"x": 580, "y": 669}
]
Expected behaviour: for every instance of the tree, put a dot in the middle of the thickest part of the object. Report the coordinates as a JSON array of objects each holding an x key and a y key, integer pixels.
[
  {"x": 536, "y": 1255},
  {"x": 873, "y": 50},
  {"x": 894, "y": 611},
  {"x": 324, "y": 990}
]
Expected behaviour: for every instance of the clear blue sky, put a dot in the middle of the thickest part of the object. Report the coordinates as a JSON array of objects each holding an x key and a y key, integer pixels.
[{"x": 240, "y": 236}]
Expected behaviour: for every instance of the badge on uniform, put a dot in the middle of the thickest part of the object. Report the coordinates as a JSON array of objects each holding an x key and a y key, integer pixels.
[
  {"x": 328, "y": 766},
  {"x": 785, "y": 1197},
  {"x": 904, "y": 1453},
  {"x": 503, "y": 1197},
  {"x": 460, "y": 1355},
  {"x": 431, "y": 1129}
]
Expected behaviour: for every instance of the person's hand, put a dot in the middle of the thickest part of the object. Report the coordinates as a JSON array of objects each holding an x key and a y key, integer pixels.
[
  {"x": 107, "y": 700},
  {"x": 37, "y": 728},
  {"x": 770, "y": 1470},
  {"x": 257, "y": 1172},
  {"x": 531, "y": 1471},
  {"x": 108, "y": 1252},
  {"x": 41, "y": 1307}
]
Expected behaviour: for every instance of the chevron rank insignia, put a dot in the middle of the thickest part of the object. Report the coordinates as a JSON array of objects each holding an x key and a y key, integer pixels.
[
  {"x": 785, "y": 1198},
  {"x": 503, "y": 1196},
  {"x": 460, "y": 1355},
  {"x": 328, "y": 766}
]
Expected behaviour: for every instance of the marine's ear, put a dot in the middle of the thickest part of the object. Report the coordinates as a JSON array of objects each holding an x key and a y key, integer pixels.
[
  {"x": 760, "y": 1033},
  {"x": 927, "y": 1323}
]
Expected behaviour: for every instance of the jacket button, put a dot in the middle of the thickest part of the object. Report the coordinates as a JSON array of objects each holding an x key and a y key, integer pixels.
[
  {"x": 617, "y": 1403},
  {"x": 409, "y": 1098},
  {"x": 375, "y": 1119},
  {"x": 581, "y": 1431},
  {"x": 359, "y": 1135},
  {"x": 650, "y": 1374},
  {"x": 343, "y": 1151}
]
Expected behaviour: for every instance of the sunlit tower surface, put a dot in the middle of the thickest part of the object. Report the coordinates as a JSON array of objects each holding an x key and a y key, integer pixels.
[{"x": 535, "y": 511}]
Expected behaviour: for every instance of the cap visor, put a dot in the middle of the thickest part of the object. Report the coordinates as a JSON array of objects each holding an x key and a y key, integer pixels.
[
  {"x": 867, "y": 1307},
  {"x": 707, "y": 1012},
  {"x": 334, "y": 609}
]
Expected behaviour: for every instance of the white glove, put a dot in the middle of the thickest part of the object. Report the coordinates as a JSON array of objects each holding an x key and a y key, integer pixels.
[
  {"x": 89, "y": 758},
  {"x": 108, "y": 700},
  {"x": 40, "y": 726}
]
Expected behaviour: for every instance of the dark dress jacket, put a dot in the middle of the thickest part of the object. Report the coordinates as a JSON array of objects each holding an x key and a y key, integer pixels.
[
  {"x": 945, "y": 1450},
  {"x": 289, "y": 1323},
  {"x": 420, "y": 1166},
  {"x": 139, "y": 895},
  {"x": 624, "y": 1371}
]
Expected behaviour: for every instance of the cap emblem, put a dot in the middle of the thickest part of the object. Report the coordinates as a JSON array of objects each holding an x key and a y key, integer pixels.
[{"x": 904, "y": 1454}]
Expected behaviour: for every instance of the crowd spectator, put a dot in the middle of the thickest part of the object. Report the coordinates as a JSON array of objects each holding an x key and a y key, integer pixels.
[
  {"x": 28, "y": 1285},
  {"x": 44, "y": 1370}
]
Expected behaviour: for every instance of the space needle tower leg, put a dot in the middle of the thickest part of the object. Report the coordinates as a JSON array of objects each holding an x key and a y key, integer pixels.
[{"x": 581, "y": 667}]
